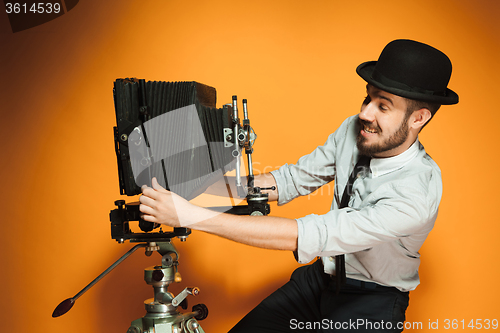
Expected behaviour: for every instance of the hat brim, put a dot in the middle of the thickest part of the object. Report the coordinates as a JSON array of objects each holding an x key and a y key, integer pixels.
[{"x": 365, "y": 70}]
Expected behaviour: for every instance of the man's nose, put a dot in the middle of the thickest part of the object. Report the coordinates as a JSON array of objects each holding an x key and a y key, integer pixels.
[{"x": 368, "y": 112}]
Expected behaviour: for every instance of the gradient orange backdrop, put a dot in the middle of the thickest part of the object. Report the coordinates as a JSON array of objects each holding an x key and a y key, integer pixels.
[{"x": 295, "y": 63}]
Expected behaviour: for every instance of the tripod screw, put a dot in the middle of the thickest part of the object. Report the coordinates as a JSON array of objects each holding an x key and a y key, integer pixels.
[
  {"x": 150, "y": 248},
  {"x": 192, "y": 325},
  {"x": 134, "y": 329},
  {"x": 157, "y": 275}
]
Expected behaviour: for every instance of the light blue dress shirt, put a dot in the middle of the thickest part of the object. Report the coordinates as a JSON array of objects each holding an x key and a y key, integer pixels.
[{"x": 391, "y": 210}]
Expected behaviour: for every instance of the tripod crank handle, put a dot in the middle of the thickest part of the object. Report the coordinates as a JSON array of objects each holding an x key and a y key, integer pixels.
[
  {"x": 63, "y": 307},
  {"x": 67, "y": 304},
  {"x": 183, "y": 294}
]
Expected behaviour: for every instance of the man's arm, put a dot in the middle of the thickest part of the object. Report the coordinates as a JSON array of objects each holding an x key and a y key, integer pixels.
[
  {"x": 161, "y": 206},
  {"x": 268, "y": 232}
]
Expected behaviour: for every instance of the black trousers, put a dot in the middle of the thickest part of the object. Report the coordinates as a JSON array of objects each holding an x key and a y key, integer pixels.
[{"x": 309, "y": 303}]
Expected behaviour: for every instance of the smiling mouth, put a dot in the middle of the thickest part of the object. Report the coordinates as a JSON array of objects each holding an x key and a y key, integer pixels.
[{"x": 369, "y": 130}]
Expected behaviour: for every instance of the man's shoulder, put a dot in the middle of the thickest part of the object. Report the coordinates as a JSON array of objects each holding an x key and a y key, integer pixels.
[
  {"x": 426, "y": 160},
  {"x": 421, "y": 175}
]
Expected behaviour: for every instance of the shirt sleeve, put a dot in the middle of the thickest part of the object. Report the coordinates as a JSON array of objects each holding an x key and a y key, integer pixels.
[
  {"x": 399, "y": 211},
  {"x": 311, "y": 171}
]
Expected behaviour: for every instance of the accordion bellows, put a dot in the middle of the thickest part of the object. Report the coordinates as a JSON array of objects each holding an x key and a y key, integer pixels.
[{"x": 172, "y": 131}]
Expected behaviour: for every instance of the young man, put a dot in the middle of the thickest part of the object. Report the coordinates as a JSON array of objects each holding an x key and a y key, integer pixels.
[{"x": 387, "y": 193}]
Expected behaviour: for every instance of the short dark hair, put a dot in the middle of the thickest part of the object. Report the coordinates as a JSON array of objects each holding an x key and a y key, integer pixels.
[{"x": 414, "y": 105}]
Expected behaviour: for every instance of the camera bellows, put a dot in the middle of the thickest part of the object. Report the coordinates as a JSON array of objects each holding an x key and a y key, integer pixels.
[{"x": 172, "y": 131}]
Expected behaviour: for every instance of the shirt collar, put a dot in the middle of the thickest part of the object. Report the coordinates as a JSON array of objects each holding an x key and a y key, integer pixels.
[{"x": 382, "y": 166}]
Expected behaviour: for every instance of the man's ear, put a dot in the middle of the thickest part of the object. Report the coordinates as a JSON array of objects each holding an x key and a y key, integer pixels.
[{"x": 419, "y": 118}]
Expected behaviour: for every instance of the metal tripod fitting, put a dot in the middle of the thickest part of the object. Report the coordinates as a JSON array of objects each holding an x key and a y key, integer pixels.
[
  {"x": 162, "y": 310},
  {"x": 183, "y": 294}
]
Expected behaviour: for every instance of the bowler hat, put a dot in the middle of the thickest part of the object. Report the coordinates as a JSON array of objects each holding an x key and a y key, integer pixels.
[{"x": 413, "y": 70}]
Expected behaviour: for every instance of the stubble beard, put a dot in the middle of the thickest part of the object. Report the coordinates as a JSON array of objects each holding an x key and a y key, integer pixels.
[{"x": 393, "y": 141}]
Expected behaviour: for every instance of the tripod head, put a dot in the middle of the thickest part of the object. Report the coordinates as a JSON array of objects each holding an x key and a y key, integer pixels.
[{"x": 120, "y": 226}]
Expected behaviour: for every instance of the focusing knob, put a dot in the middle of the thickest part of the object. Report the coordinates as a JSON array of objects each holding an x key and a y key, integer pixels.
[{"x": 202, "y": 311}]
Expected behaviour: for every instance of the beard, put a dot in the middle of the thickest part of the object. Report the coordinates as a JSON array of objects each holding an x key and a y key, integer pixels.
[{"x": 393, "y": 141}]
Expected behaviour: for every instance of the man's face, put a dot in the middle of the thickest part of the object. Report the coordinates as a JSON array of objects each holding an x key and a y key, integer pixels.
[{"x": 383, "y": 124}]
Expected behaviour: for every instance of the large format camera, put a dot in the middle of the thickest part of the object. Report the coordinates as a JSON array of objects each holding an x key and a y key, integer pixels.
[{"x": 174, "y": 132}]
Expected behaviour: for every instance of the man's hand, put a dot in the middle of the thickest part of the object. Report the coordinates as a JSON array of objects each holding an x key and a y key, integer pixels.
[{"x": 157, "y": 205}]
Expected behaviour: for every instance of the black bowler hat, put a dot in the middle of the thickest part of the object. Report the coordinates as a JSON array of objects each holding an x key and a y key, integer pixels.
[{"x": 413, "y": 70}]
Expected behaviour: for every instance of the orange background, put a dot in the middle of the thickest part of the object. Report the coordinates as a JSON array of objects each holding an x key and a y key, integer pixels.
[{"x": 295, "y": 63}]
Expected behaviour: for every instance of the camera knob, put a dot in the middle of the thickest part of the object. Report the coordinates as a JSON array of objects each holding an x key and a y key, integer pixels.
[
  {"x": 202, "y": 311},
  {"x": 120, "y": 203}
]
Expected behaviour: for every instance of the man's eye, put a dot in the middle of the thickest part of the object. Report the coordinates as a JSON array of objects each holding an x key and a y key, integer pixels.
[{"x": 367, "y": 100}]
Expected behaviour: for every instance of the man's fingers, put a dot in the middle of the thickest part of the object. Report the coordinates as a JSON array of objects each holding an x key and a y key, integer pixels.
[
  {"x": 146, "y": 200},
  {"x": 147, "y": 210},
  {"x": 157, "y": 186},
  {"x": 150, "y": 192},
  {"x": 155, "y": 190},
  {"x": 149, "y": 218}
]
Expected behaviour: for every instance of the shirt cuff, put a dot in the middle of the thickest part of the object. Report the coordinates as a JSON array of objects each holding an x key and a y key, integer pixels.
[
  {"x": 284, "y": 182},
  {"x": 312, "y": 234}
]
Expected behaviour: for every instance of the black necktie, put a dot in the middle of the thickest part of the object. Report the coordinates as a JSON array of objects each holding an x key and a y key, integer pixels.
[{"x": 362, "y": 167}]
